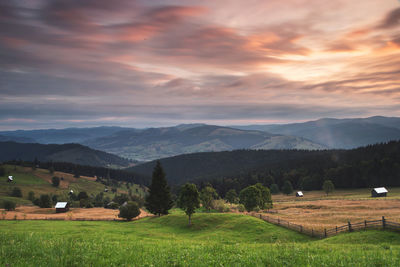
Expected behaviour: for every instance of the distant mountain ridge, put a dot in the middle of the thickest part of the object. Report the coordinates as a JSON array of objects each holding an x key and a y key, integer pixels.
[
  {"x": 339, "y": 133},
  {"x": 72, "y": 153},
  {"x": 153, "y": 143}
]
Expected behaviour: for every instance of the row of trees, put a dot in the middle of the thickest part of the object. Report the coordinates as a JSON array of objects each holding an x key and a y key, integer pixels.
[{"x": 160, "y": 200}]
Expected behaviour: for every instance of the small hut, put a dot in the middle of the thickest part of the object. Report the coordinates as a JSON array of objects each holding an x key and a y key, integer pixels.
[
  {"x": 106, "y": 190},
  {"x": 71, "y": 192},
  {"x": 62, "y": 207},
  {"x": 10, "y": 179},
  {"x": 379, "y": 192},
  {"x": 299, "y": 194}
]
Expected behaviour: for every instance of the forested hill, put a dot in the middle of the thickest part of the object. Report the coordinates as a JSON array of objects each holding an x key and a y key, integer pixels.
[
  {"x": 374, "y": 165},
  {"x": 72, "y": 153}
]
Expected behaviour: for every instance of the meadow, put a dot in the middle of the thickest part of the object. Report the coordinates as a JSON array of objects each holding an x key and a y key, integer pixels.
[{"x": 213, "y": 240}]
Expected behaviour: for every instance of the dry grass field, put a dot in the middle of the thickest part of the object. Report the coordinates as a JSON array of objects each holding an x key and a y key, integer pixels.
[
  {"x": 36, "y": 213},
  {"x": 318, "y": 211}
]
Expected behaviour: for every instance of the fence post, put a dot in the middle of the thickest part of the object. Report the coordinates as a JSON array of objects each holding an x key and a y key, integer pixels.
[
  {"x": 301, "y": 228},
  {"x": 365, "y": 224},
  {"x": 350, "y": 229},
  {"x": 279, "y": 222},
  {"x": 325, "y": 232},
  {"x": 312, "y": 232},
  {"x": 383, "y": 222},
  {"x": 260, "y": 216},
  {"x": 336, "y": 228}
]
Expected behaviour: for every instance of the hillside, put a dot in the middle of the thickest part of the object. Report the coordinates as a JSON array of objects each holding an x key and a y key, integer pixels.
[
  {"x": 73, "y": 153},
  {"x": 214, "y": 239},
  {"x": 339, "y": 133},
  {"x": 153, "y": 143},
  {"x": 375, "y": 165},
  {"x": 39, "y": 182}
]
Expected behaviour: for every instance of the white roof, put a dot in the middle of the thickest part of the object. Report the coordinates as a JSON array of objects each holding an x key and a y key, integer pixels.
[
  {"x": 10, "y": 178},
  {"x": 299, "y": 193},
  {"x": 380, "y": 190},
  {"x": 61, "y": 205}
]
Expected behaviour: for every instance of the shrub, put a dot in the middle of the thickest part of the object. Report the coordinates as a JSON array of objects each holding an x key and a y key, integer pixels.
[
  {"x": 55, "y": 181},
  {"x": 287, "y": 187},
  {"x": 240, "y": 208},
  {"x": 231, "y": 196},
  {"x": 138, "y": 199},
  {"x": 9, "y": 205},
  {"x": 82, "y": 195},
  {"x": 129, "y": 211},
  {"x": 16, "y": 192},
  {"x": 219, "y": 205},
  {"x": 31, "y": 196},
  {"x": 45, "y": 201}
]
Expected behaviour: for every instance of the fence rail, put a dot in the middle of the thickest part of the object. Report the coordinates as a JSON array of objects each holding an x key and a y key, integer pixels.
[{"x": 349, "y": 227}]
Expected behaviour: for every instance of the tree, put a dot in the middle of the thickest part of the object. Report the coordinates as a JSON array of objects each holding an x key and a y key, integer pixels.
[
  {"x": 274, "y": 189},
  {"x": 207, "y": 195},
  {"x": 55, "y": 181},
  {"x": 16, "y": 192},
  {"x": 189, "y": 200},
  {"x": 265, "y": 201},
  {"x": 231, "y": 196},
  {"x": 250, "y": 197},
  {"x": 31, "y": 195},
  {"x": 9, "y": 205},
  {"x": 328, "y": 186},
  {"x": 287, "y": 187},
  {"x": 159, "y": 200},
  {"x": 45, "y": 201},
  {"x": 82, "y": 195},
  {"x": 129, "y": 211}
]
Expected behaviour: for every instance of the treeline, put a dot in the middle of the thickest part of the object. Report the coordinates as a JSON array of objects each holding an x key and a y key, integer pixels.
[
  {"x": 85, "y": 170},
  {"x": 371, "y": 166}
]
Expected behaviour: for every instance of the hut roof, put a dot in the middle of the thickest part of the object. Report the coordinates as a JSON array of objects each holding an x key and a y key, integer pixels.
[
  {"x": 10, "y": 178},
  {"x": 61, "y": 205},
  {"x": 380, "y": 190},
  {"x": 299, "y": 193}
]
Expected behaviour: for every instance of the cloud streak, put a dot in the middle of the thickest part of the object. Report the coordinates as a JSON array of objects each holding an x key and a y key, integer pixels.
[{"x": 144, "y": 62}]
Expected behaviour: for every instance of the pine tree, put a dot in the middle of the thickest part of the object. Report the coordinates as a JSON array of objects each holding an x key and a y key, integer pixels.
[{"x": 159, "y": 201}]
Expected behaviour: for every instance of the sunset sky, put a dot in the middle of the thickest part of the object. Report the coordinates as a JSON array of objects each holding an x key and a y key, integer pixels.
[{"x": 150, "y": 63}]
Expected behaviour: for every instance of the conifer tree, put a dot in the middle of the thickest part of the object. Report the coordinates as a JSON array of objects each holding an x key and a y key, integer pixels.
[{"x": 159, "y": 201}]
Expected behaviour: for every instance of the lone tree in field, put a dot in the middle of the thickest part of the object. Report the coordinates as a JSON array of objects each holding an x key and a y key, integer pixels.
[
  {"x": 328, "y": 186},
  {"x": 265, "y": 200},
  {"x": 189, "y": 200},
  {"x": 250, "y": 197},
  {"x": 55, "y": 181},
  {"x": 159, "y": 201},
  {"x": 207, "y": 195},
  {"x": 129, "y": 211},
  {"x": 287, "y": 187},
  {"x": 274, "y": 189},
  {"x": 231, "y": 196}
]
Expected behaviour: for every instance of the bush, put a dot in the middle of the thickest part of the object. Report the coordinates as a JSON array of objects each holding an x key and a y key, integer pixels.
[
  {"x": 45, "y": 201},
  {"x": 138, "y": 199},
  {"x": 129, "y": 211},
  {"x": 219, "y": 205},
  {"x": 274, "y": 189},
  {"x": 82, "y": 195},
  {"x": 16, "y": 192},
  {"x": 9, "y": 205},
  {"x": 55, "y": 181},
  {"x": 240, "y": 208},
  {"x": 31, "y": 196}
]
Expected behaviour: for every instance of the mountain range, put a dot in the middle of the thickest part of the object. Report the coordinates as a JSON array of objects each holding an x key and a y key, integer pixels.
[{"x": 154, "y": 143}]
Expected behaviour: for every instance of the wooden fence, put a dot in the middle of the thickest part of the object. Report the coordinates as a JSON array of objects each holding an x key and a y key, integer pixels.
[{"x": 349, "y": 227}]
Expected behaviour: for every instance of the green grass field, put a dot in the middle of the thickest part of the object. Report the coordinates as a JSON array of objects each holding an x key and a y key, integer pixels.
[
  {"x": 213, "y": 240},
  {"x": 35, "y": 180}
]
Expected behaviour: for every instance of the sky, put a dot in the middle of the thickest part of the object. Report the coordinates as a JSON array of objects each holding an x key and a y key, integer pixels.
[{"x": 137, "y": 63}]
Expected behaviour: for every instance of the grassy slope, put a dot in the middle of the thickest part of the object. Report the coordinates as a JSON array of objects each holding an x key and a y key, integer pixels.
[
  {"x": 39, "y": 181},
  {"x": 213, "y": 240}
]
